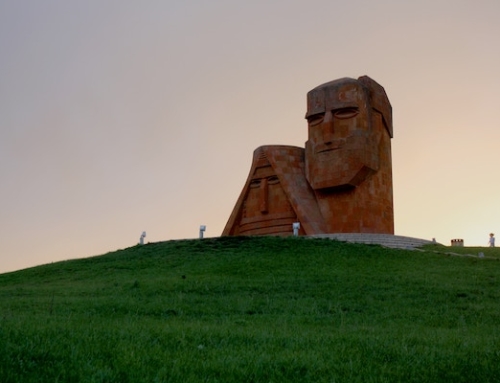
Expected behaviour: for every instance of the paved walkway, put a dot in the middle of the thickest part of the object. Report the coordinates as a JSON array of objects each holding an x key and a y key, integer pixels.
[{"x": 386, "y": 240}]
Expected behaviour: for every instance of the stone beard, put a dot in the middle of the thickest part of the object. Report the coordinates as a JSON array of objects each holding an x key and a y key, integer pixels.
[{"x": 340, "y": 183}]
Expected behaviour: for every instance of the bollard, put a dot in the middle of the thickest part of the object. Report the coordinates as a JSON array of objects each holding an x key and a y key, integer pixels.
[
  {"x": 202, "y": 229},
  {"x": 296, "y": 227},
  {"x": 141, "y": 240}
]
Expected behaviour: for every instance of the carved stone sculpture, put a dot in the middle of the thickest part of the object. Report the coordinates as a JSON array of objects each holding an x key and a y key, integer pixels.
[
  {"x": 340, "y": 183},
  {"x": 276, "y": 194}
]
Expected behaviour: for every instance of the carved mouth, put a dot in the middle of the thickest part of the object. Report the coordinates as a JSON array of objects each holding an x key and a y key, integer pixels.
[{"x": 324, "y": 148}]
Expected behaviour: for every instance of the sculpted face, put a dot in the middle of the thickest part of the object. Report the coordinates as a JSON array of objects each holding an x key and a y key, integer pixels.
[
  {"x": 266, "y": 209},
  {"x": 263, "y": 181},
  {"x": 340, "y": 183},
  {"x": 342, "y": 149}
]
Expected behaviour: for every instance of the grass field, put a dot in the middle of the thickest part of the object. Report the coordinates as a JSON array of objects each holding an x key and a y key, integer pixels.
[{"x": 259, "y": 309}]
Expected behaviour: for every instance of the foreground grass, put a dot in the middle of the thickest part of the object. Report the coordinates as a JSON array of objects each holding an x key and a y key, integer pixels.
[{"x": 253, "y": 310}]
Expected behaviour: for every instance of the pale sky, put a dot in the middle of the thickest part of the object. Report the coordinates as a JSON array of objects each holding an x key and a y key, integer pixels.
[{"x": 118, "y": 117}]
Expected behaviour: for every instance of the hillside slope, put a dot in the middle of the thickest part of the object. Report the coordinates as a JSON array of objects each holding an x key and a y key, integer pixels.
[{"x": 258, "y": 309}]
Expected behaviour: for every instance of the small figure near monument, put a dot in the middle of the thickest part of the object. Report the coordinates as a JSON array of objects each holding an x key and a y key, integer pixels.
[
  {"x": 491, "y": 241},
  {"x": 340, "y": 183},
  {"x": 202, "y": 230},
  {"x": 141, "y": 239}
]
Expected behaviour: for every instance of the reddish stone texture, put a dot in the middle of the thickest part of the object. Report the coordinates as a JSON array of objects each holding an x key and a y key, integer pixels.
[
  {"x": 276, "y": 194},
  {"x": 340, "y": 183}
]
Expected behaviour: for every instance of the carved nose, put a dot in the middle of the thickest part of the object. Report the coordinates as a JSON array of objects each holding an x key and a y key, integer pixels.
[
  {"x": 328, "y": 128},
  {"x": 328, "y": 116},
  {"x": 263, "y": 196}
]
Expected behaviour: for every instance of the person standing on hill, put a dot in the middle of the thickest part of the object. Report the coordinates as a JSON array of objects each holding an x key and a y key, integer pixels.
[{"x": 492, "y": 240}]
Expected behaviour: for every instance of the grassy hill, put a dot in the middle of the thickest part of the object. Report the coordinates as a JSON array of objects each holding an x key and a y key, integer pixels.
[{"x": 259, "y": 309}]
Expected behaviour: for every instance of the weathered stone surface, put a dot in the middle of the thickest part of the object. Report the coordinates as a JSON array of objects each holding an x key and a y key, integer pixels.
[
  {"x": 276, "y": 194},
  {"x": 340, "y": 183}
]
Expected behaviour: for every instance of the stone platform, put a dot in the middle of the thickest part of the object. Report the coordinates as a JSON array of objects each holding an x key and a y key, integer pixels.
[{"x": 386, "y": 240}]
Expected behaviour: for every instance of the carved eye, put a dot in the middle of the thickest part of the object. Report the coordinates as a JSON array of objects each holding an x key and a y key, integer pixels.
[
  {"x": 255, "y": 183},
  {"x": 273, "y": 180},
  {"x": 315, "y": 119},
  {"x": 346, "y": 113}
]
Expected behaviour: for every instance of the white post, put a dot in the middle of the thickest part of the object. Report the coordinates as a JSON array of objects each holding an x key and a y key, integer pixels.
[
  {"x": 141, "y": 240},
  {"x": 202, "y": 229},
  {"x": 296, "y": 227}
]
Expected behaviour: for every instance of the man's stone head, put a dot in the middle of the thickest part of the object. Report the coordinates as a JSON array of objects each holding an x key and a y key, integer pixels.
[{"x": 347, "y": 120}]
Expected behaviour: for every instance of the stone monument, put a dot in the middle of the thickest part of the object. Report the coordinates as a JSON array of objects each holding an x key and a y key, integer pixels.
[{"x": 340, "y": 183}]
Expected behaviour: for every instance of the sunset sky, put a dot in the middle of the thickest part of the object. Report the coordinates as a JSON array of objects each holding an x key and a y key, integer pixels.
[{"x": 118, "y": 117}]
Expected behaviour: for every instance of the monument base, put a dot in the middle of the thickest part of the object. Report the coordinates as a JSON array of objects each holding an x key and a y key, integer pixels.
[{"x": 386, "y": 240}]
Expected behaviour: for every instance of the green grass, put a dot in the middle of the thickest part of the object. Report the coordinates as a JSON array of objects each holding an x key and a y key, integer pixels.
[
  {"x": 262, "y": 309},
  {"x": 489, "y": 252}
]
